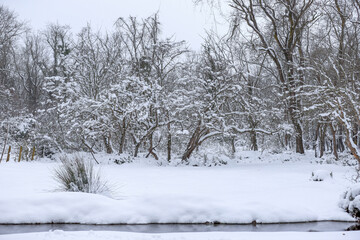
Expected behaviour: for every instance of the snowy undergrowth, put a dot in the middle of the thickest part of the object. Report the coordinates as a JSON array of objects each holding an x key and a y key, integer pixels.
[
  {"x": 214, "y": 157},
  {"x": 350, "y": 201}
]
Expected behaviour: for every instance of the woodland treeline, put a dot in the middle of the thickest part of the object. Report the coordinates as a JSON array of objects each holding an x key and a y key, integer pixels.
[{"x": 284, "y": 77}]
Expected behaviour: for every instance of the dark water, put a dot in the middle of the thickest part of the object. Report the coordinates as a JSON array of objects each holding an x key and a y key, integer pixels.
[{"x": 169, "y": 228}]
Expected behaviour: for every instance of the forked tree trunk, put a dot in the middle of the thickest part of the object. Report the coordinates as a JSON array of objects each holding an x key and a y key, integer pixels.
[
  {"x": 254, "y": 145},
  {"x": 194, "y": 141},
  {"x": 143, "y": 138},
  {"x": 200, "y": 134},
  {"x": 151, "y": 148}
]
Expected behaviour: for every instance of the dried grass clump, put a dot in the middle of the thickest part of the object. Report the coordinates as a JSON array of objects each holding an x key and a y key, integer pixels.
[{"x": 76, "y": 174}]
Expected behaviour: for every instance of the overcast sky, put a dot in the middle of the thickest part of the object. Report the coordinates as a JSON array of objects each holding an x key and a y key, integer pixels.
[{"x": 178, "y": 17}]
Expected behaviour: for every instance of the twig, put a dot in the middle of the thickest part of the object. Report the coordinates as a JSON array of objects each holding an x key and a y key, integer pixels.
[{"x": 91, "y": 151}]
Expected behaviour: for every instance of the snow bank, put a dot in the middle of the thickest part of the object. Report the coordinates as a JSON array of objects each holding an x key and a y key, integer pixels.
[
  {"x": 265, "y": 193},
  {"x": 91, "y": 235},
  {"x": 68, "y": 207}
]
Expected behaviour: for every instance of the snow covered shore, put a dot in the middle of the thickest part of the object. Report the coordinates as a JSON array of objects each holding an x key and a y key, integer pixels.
[
  {"x": 269, "y": 192},
  {"x": 61, "y": 235}
]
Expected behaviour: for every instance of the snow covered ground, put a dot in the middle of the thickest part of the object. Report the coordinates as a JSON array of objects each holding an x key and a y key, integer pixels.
[
  {"x": 91, "y": 235},
  {"x": 266, "y": 189}
]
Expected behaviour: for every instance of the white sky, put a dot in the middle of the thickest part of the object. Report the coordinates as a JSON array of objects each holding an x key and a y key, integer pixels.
[{"x": 178, "y": 17}]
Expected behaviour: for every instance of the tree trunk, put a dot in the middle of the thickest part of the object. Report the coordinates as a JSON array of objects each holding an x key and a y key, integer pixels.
[
  {"x": 136, "y": 151},
  {"x": 233, "y": 145},
  {"x": 254, "y": 145},
  {"x": 299, "y": 138},
  {"x": 316, "y": 143},
  {"x": 350, "y": 144},
  {"x": 188, "y": 152},
  {"x": 322, "y": 139},
  {"x": 8, "y": 155},
  {"x": 355, "y": 134},
  {"x": 294, "y": 103},
  {"x": 33, "y": 153},
  {"x": 20, "y": 152},
  {"x": 107, "y": 142},
  {"x": 334, "y": 141},
  {"x": 340, "y": 141},
  {"x": 287, "y": 141},
  {"x": 122, "y": 142},
  {"x": 123, "y": 135},
  {"x": 349, "y": 140},
  {"x": 169, "y": 142},
  {"x": 5, "y": 142},
  {"x": 294, "y": 110},
  {"x": 191, "y": 145}
]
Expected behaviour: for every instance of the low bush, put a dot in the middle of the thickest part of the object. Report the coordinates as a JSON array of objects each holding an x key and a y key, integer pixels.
[
  {"x": 321, "y": 175},
  {"x": 350, "y": 201}
]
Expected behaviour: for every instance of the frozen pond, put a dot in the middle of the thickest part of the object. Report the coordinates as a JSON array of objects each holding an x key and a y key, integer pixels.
[{"x": 172, "y": 228}]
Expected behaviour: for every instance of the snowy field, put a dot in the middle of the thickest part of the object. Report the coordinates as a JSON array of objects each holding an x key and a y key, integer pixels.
[
  {"x": 61, "y": 235},
  {"x": 265, "y": 189}
]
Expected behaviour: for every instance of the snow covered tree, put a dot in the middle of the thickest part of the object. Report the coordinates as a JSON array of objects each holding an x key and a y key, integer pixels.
[
  {"x": 10, "y": 31},
  {"x": 279, "y": 26},
  {"x": 335, "y": 67},
  {"x": 30, "y": 72},
  {"x": 150, "y": 63},
  {"x": 58, "y": 39}
]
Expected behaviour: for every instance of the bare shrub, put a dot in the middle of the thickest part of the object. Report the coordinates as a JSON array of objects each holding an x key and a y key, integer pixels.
[{"x": 77, "y": 174}]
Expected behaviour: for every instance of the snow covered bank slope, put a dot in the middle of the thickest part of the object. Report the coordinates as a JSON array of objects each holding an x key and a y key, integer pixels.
[
  {"x": 61, "y": 235},
  {"x": 261, "y": 192}
]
